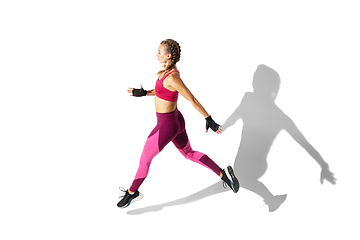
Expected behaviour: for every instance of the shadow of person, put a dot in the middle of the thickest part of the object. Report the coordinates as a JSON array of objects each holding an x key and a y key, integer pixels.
[{"x": 262, "y": 120}]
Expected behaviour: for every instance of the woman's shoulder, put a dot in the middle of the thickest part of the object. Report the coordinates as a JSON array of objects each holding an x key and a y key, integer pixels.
[
  {"x": 174, "y": 73},
  {"x": 174, "y": 76}
]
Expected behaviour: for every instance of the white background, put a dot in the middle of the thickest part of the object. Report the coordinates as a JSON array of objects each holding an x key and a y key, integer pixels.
[{"x": 70, "y": 135}]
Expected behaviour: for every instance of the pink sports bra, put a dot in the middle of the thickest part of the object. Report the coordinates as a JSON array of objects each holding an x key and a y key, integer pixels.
[{"x": 163, "y": 93}]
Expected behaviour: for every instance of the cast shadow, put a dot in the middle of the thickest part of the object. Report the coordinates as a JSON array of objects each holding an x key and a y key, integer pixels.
[{"x": 262, "y": 120}]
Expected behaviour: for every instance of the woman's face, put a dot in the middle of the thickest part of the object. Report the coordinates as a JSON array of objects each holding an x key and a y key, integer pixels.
[{"x": 162, "y": 56}]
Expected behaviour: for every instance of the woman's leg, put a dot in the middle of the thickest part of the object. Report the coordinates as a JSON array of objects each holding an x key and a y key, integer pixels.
[
  {"x": 182, "y": 143},
  {"x": 165, "y": 131},
  {"x": 151, "y": 149}
]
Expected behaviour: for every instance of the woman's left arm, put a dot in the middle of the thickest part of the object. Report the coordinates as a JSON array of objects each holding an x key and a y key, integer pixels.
[{"x": 176, "y": 83}]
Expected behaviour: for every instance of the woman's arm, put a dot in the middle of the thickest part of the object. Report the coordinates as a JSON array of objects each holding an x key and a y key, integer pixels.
[
  {"x": 176, "y": 83},
  {"x": 151, "y": 92}
]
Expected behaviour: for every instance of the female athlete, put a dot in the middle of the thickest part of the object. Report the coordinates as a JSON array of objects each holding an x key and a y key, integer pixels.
[{"x": 170, "y": 123}]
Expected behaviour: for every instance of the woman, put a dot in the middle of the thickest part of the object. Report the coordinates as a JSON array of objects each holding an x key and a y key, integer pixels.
[{"x": 170, "y": 123}]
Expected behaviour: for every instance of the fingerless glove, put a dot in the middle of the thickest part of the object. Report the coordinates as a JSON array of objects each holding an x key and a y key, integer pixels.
[
  {"x": 210, "y": 123},
  {"x": 136, "y": 92}
]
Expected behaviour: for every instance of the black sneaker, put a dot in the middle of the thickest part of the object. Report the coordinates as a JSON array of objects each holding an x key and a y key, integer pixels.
[
  {"x": 129, "y": 198},
  {"x": 230, "y": 179}
]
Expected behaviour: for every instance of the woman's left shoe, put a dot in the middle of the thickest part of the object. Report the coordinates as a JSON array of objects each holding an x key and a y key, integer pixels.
[
  {"x": 230, "y": 179},
  {"x": 129, "y": 198}
]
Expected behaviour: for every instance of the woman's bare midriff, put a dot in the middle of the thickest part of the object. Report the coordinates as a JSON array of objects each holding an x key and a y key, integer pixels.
[{"x": 163, "y": 106}]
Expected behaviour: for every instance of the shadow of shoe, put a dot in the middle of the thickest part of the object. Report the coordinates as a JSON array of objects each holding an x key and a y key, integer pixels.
[{"x": 275, "y": 202}]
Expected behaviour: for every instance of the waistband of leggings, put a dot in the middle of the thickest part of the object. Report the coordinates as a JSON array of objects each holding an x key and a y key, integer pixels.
[{"x": 169, "y": 114}]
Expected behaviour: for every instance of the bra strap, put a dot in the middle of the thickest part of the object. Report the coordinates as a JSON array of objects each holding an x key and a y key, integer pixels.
[{"x": 168, "y": 74}]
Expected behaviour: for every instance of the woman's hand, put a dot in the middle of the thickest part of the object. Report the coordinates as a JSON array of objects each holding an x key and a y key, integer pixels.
[
  {"x": 137, "y": 92},
  {"x": 130, "y": 90},
  {"x": 219, "y": 131},
  {"x": 210, "y": 123}
]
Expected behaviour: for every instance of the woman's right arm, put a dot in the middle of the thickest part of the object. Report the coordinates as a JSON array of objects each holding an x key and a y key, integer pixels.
[{"x": 151, "y": 92}]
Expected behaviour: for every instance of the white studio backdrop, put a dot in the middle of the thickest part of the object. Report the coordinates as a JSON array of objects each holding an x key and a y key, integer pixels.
[{"x": 71, "y": 135}]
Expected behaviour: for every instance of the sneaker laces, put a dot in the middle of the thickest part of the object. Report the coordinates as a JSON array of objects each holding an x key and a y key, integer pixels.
[
  {"x": 224, "y": 175},
  {"x": 124, "y": 191}
]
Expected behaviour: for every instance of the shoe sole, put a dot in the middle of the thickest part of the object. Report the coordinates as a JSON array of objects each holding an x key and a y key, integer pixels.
[
  {"x": 234, "y": 180},
  {"x": 138, "y": 198}
]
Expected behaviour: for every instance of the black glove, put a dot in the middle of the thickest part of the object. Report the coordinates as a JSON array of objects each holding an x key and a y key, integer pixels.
[
  {"x": 210, "y": 123},
  {"x": 136, "y": 92}
]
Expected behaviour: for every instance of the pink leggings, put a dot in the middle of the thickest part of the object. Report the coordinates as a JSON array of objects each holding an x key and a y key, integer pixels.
[{"x": 170, "y": 127}]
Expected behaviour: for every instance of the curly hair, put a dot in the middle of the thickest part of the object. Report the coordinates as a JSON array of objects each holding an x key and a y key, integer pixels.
[{"x": 172, "y": 47}]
